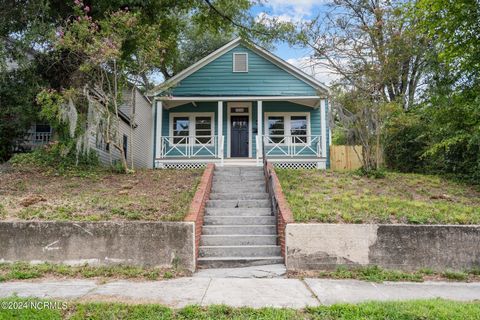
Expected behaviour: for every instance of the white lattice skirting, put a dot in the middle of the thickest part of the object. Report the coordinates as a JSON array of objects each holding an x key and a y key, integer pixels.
[
  {"x": 180, "y": 165},
  {"x": 299, "y": 165}
]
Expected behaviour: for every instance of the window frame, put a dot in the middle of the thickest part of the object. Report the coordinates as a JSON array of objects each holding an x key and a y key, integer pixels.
[
  {"x": 192, "y": 126},
  {"x": 234, "y": 59},
  {"x": 287, "y": 126}
]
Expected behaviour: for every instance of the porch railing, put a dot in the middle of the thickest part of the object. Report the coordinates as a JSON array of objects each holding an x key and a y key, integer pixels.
[
  {"x": 192, "y": 147},
  {"x": 288, "y": 146}
]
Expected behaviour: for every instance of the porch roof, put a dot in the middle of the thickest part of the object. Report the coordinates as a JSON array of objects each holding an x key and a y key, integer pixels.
[{"x": 172, "y": 102}]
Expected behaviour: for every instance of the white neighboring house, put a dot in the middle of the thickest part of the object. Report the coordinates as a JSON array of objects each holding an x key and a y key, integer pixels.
[{"x": 136, "y": 138}]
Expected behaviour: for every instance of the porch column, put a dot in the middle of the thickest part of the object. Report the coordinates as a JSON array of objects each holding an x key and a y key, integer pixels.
[
  {"x": 259, "y": 127},
  {"x": 323, "y": 123},
  {"x": 220, "y": 130},
  {"x": 158, "y": 136}
]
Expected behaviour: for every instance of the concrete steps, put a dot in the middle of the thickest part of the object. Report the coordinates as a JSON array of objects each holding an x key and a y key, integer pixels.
[
  {"x": 237, "y": 262},
  {"x": 239, "y": 220},
  {"x": 238, "y": 203},
  {"x": 239, "y": 251},
  {"x": 238, "y": 212},
  {"x": 239, "y": 229},
  {"x": 238, "y": 240},
  {"x": 238, "y": 196}
]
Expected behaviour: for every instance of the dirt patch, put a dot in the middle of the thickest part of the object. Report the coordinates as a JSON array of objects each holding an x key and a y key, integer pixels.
[{"x": 36, "y": 194}]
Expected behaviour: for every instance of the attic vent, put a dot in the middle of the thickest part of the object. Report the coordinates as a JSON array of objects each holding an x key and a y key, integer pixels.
[{"x": 240, "y": 62}]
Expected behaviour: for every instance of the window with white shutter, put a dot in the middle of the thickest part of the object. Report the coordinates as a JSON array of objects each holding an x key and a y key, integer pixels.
[{"x": 240, "y": 62}]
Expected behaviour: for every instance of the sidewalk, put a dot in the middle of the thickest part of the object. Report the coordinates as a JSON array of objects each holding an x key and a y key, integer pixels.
[{"x": 253, "y": 292}]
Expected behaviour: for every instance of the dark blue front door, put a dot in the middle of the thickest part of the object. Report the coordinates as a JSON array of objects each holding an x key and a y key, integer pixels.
[{"x": 239, "y": 142}]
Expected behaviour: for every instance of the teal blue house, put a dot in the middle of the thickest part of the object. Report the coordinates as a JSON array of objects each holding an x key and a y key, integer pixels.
[{"x": 239, "y": 104}]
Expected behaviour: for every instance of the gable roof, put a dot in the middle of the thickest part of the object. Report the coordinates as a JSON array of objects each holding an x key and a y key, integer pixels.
[{"x": 227, "y": 47}]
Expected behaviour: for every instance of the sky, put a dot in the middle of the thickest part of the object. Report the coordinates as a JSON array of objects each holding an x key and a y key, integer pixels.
[{"x": 295, "y": 11}]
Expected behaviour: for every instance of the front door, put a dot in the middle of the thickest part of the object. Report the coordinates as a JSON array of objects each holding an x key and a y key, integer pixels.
[{"x": 239, "y": 136}]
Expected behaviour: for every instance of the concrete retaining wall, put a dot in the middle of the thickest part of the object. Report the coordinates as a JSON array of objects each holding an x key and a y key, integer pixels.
[
  {"x": 402, "y": 247},
  {"x": 133, "y": 243}
]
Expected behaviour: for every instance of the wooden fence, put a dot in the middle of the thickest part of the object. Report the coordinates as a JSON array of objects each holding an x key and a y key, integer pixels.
[{"x": 345, "y": 157}]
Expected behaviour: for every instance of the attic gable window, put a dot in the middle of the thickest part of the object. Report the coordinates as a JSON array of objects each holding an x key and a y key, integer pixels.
[{"x": 240, "y": 62}]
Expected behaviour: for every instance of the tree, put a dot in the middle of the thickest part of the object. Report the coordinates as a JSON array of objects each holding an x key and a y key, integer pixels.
[
  {"x": 18, "y": 89},
  {"x": 451, "y": 102},
  {"x": 375, "y": 39},
  {"x": 379, "y": 57},
  {"x": 143, "y": 38}
]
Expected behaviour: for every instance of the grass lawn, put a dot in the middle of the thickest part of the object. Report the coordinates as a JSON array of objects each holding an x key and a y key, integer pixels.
[
  {"x": 423, "y": 309},
  {"x": 377, "y": 274},
  {"x": 22, "y": 271},
  {"x": 336, "y": 197},
  {"x": 40, "y": 194}
]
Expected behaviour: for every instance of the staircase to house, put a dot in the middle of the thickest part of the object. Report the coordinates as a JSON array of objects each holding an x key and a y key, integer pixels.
[{"x": 238, "y": 228}]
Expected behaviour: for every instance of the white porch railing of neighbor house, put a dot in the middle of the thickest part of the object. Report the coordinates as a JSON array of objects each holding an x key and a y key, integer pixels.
[
  {"x": 289, "y": 146},
  {"x": 192, "y": 147},
  {"x": 38, "y": 138}
]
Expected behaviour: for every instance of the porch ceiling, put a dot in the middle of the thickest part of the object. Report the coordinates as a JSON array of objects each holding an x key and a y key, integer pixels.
[{"x": 172, "y": 102}]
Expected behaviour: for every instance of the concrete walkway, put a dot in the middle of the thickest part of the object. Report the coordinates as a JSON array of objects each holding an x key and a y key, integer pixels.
[{"x": 237, "y": 292}]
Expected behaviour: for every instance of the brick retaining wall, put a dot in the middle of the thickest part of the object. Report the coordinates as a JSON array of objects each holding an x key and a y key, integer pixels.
[{"x": 197, "y": 207}]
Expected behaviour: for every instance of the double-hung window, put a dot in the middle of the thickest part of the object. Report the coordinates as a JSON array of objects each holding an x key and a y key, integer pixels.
[
  {"x": 181, "y": 130},
  {"x": 276, "y": 128},
  {"x": 192, "y": 128},
  {"x": 287, "y": 128},
  {"x": 203, "y": 130},
  {"x": 298, "y": 129}
]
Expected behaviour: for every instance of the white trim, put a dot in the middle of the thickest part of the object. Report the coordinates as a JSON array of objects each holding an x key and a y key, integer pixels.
[
  {"x": 242, "y": 98},
  {"x": 191, "y": 129},
  {"x": 220, "y": 118},
  {"x": 151, "y": 155},
  {"x": 259, "y": 117},
  {"x": 231, "y": 105},
  {"x": 287, "y": 123},
  {"x": 323, "y": 126},
  {"x": 232, "y": 44},
  {"x": 159, "y": 109},
  {"x": 246, "y": 61}
]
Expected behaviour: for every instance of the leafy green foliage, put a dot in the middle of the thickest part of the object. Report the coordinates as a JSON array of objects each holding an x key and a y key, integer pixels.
[
  {"x": 18, "y": 110},
  {"x": 405, "y": 142},
  {"x": 58, "y": 156}
]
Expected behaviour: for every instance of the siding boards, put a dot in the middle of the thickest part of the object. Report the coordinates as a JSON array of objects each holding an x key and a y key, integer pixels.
[
  {"x": 140, "y": 145},
  {"x": 262, "y": 78}
]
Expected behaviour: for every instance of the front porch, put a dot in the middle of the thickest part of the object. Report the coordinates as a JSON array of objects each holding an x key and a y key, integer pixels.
[{"x": 290, "y": 132}]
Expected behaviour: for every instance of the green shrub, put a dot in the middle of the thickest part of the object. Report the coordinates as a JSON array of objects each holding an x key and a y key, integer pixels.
[
  {"x": 56, "y": 155},
  {"x": 405, "y": 142}
]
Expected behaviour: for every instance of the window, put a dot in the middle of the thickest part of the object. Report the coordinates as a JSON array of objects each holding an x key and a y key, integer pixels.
[
  {"x": 100, "y": 143},
  {"x": 181, "y": 126},
  {"x": 298, "y": 129},
  {"x": 276, "y": 128},
  {"x": 240, "y": 62},
  {"x": 196, "y": 128},
  {"x": 43, "y": 128},
  {"x": 125, "y": 145},
  {"x": 287, "y": 128},
  {"x": 203, "y": 129}
]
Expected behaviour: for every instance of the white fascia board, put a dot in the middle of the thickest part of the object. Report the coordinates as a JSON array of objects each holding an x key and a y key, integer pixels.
[{"x": 241, "y": 98}]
